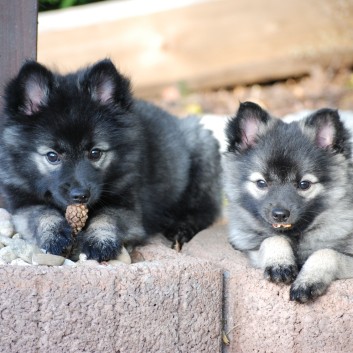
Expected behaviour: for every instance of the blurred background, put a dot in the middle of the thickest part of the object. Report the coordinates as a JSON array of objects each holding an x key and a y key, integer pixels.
[{"x": 205, "y": 56}]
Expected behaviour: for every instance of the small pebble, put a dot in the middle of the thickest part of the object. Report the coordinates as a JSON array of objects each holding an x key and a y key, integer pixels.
[
  {"x": 47, "y": 259},
  {"x": 6, "y": 228},
  {"x": 88, "y": 263},
  {"x": 5, "y": 215},
  {"x": 82, "y": 257},
  {"x": 82, "y": 261},
  {"x": 5, "y": 240},
  {"x": 68, "y": 262},
  {"x": 23, "y": 249},
  {"x": 124, "y": 257},
  {"x": 20, "y": 262},
  {"x": 7, "y": 254},
  {"x": 115, "y": 263}
]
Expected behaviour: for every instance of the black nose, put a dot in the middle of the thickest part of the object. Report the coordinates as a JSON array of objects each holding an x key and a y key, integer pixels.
[
  {"x": 79, "y": 195},
  {"x": 280, "y": 214}
]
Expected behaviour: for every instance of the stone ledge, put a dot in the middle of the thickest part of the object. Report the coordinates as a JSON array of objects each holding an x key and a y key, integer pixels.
[
  {"x": 168, "y": 303},
  {"x": 258, "y": 314}
]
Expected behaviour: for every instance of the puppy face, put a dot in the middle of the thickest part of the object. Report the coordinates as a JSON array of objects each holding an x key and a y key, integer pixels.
[
  {"x": 282, "y": 174},
  {"x": 80, "y": 127},
  {"x": 283, "y": 202},
  {"x": 73, "y": 176}
]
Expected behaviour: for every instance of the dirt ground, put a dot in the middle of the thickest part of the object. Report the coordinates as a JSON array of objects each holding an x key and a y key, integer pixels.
[{"x": 321, "y": 88}]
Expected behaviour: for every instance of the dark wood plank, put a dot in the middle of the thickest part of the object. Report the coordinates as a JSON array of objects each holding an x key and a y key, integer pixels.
[{"x": 18, "y": 37}]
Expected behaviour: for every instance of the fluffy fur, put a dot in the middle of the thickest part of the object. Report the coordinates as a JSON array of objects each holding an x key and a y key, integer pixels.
[
  {"x": 83, "y": 138},
  {"x": 290, "y": 190}
]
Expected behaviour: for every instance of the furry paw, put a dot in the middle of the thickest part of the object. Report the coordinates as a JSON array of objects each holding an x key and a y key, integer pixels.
[
  {"x": 59, "y": 241},
  {"x": 105, "y": 250},
  {"x": 303, "y": 292},
  {"x": 281, "y": 273},
  {"x": 180, "y": 234}
]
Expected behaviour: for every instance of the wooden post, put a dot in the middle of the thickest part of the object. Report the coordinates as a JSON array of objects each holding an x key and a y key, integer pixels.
[{"x": 18, "y": 37}]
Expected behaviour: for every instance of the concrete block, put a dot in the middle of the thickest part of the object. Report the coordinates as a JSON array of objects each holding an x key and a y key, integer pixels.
[
  {"x": 258, "y": 314},
  {"x": 167, "y": 302}
]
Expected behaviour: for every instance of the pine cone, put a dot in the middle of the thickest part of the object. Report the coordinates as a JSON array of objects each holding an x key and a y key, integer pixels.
[{"x": 76, "y": 215}]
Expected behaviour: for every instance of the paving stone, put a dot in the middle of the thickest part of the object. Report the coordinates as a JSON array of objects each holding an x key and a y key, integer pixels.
[
  {"x": 258, "y": 315},
  {"x": 166, "y": 303}
]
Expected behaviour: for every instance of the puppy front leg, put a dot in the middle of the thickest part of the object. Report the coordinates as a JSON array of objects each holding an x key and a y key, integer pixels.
[
  {"x": 45, "y": 226},
  {"x": 106, "y": 233},
  {"x": 277, "y": 259},
  {"x": 318, "y": 272}
]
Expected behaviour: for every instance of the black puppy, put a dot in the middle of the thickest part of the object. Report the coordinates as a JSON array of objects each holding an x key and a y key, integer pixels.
[{"x": 83, "y": 138}]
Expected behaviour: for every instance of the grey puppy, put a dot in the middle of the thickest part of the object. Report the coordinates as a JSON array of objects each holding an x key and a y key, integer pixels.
[
  {"x": 290, "y": 191},
  {"x": 82, "y": 138}
]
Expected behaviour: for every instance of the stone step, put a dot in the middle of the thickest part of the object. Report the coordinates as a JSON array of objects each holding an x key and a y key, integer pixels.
[
  {"x": 258, "y": 315},
  {"x": 168, "y": 302},
  {"x": 165, "y": 302}
]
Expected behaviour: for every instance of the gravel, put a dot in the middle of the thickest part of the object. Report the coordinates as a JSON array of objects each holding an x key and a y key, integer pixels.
[
  {"x": 16, "y": 251},
  {"x": 323, "y": 87}
]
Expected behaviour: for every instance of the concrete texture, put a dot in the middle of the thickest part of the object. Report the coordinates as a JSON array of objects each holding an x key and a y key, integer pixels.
[
  {"x": 168, "y": 302},
  {"x": 258, "y": 314}
]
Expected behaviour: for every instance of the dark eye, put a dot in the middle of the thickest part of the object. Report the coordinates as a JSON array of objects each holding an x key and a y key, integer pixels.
[
  {"x": 95, "y": 154},
  {"x": 53, "y": 157},
  {"x": 261, "y": 184},
  {"x": 304, "y": 185}
]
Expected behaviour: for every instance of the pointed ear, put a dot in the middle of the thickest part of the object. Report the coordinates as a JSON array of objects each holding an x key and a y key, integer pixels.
[
  {"x": 29, "y": 91},
  {"x": 106, "y": 85},
  {"x": 329, "y": 131},
  {"x": 244, "y": 128}
]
